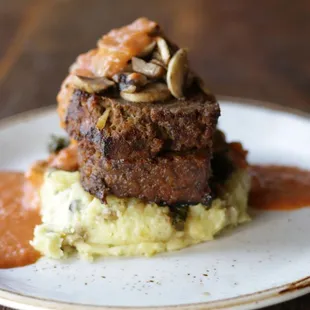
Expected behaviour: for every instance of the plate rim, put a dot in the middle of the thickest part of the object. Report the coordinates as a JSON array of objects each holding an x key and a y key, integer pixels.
[{"x": 256, "y": 300}]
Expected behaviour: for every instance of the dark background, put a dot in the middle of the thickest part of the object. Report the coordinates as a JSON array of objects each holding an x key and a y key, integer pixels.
[{"x": 243, "y": 48}]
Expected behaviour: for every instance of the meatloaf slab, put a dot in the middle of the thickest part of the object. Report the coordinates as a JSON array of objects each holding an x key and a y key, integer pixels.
[
  {"x": 170, "y": 179},
  {"x": 135, "y": 130}
]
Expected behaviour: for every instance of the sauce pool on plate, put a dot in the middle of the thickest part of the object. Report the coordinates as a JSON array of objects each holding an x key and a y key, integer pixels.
[
  {"x": 279, "y": 187},
  {"x": 19, "y": 215}
]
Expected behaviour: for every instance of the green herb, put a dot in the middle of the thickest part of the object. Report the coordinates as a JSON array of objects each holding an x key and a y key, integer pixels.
[
  {"x": 57, "y": 143},
  {"x": 178, "y": 215}
]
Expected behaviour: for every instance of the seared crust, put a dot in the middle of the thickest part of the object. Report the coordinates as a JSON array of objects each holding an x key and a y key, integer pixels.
[
  {"x": 135, "y": 130},
  {"x": 170, "y": 179}
]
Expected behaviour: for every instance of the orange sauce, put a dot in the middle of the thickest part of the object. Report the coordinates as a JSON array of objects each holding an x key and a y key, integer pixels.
[
  {"x": 279, "y": 188},
  {"x": 18, "y": 216},
  {"x": 117, "y": 47}
]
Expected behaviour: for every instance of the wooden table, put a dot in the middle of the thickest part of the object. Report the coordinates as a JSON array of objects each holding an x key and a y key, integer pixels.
[{"x": 243, "y": 48}]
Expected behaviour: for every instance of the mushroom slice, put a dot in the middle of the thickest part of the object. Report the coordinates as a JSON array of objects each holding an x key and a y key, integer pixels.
[
  {"x": 92, "y": 84},
  {"x": 177, "y": 72},
  {"x": 134, "y": 81},
  {"x": 158, "y": 62},
  {"x": 151, "y": 93},
  {"x": 128, "y": 88},
  {"x": 102, "y": 120},
  {"x": 130, "y": 82},
  {"x": 149, "y": 69},
  {"x": 163, "y": 50},
  {"x": 136, "y": 78},
  {"x": 148, "y": 49}
]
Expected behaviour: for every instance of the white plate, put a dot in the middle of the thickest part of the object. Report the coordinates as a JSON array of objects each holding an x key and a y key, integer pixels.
[{"x": 258, "y": 264}]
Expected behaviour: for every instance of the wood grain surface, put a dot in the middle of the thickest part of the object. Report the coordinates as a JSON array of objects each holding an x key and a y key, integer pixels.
[{"x": 243, "y": 48}]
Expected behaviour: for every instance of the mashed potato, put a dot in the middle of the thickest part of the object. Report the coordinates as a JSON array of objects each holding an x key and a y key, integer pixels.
[{"x": 75, "y": 221}]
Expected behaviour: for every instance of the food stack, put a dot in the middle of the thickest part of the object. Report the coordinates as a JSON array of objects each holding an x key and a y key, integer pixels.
[
  {"x": 147, "y": 130},
  {"x": 153, "y": 173}
]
